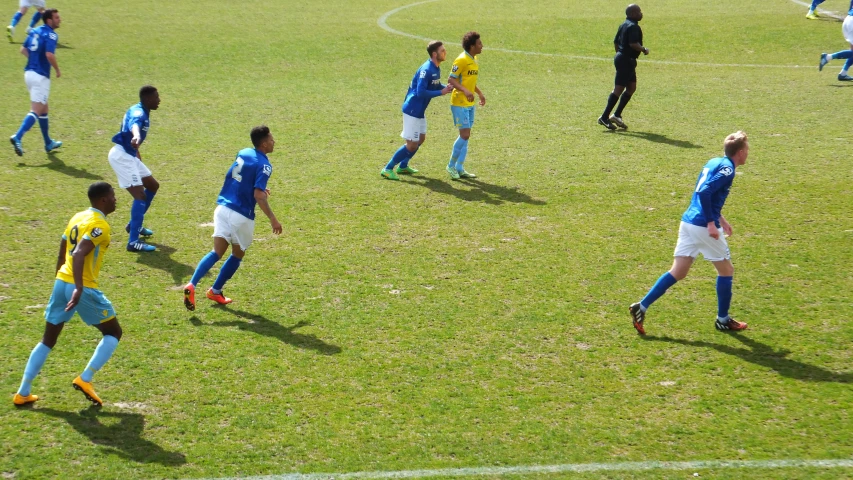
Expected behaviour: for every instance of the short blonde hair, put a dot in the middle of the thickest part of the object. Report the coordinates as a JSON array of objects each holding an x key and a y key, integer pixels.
[{"x": 734, "y": 143}]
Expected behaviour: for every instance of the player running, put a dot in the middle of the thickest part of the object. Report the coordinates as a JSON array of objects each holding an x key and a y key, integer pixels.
[
  {"x": 699, "y": 233},
  {"x": 24, "y": 6},
  {"x": 847, "y": 31},
  {"x": 463, "y": 79},
  {"x": 234, "y": 219},
  {"x": 425, "y": 85},
  {"x": 81, "y": 254}
]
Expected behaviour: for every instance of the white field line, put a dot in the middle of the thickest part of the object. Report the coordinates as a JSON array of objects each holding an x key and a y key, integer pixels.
[
  {"x": 828, "y": 13},
  {"x": 383, "y": 23},
  {"x": 565, "y": 468}
]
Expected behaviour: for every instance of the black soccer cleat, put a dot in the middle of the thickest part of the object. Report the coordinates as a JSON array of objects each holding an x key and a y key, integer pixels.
[
  {"x": 638, "y": 316},
  {"x": 606, "y": 123}
]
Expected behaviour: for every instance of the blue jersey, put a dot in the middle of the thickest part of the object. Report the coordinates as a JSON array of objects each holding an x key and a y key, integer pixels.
[
  {"x": 426, "y": 85},
  {"x": 136, "y": 115},
  {"x": 41, "y": 41},
  {"x": 250, "y": 170},
  {"x": 711, "y": 192}
]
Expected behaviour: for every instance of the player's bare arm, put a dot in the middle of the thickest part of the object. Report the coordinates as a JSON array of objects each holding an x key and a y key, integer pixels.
[
  {"x": 52, "y": 59},
  {"x": 25, "y": 52},
  {"x": 727, "y": 227},
  {"x": 636, "y": 46},
  {"x": 78, "y": 262},
  {"x": 261, "y": 198},
  {"x": 458, "y": 86},
  {"x": 60, "y": 259},
  {"x": 134, "y": 142},
  {"x": 482, "y": 97}
]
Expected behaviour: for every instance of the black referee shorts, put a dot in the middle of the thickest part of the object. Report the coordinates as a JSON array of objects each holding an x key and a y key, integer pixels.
[{"x": 626, "y": 70}]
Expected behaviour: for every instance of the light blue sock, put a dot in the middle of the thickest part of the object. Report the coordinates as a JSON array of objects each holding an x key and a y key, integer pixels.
[
  {"x": 815, "y": 3},
  {"x": 398, "y": 157},
  {"x": 149, "y": 197},
  {"x": 457, "y": 148},
  {"x": 26, "y": 125},
  {"x": 659, "y": 288},
  {"x": 35, "y": 19},
  {"x": 724, "y": 296},
  {"x": 103, "y": 352},
  {"x": 409, "y": 155},
  {"x": 34, "y": 364},
  {"x": 43, "y": 124},
  {"x": 137, "y": 215},
  {"x": 16, "y": 18},
  {"x": 207, "y": 262},
  {"x": 228, "y": 268},
  {"x": 461, "y": 160}
]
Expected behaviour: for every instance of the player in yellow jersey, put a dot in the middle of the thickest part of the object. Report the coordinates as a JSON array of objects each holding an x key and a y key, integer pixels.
[
  {"x": 81, "y": 253},
  {"x": 463, "y": 78}
]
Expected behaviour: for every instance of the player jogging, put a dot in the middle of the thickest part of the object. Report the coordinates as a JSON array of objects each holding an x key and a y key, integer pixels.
[
  {"x": 699, "y": 233},
  {"x": 425, "y": 85},
  {"x": 847, "y": 31},
  {"x": 234, "y": 219},
  {"x": 81, "y": 254},
  {"x": 132, "y": 174},
  {"x": 463, "y": 79},
  {"x": 24, "y": 6},
  {"x": 39, "y": 48},
  {"x": 629, "y": 45}
]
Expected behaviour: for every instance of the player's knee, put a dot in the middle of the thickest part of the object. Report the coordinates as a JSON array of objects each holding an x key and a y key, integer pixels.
[
  {"x": 152, "y": 184},
  {"x": 114, "y": 330}
]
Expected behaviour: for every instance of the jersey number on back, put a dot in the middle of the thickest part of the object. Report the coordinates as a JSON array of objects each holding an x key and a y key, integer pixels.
[
  {"x": 702, "y": 178},
  {"x": 72, "y": 239},
  {"x": 34, "y": 44},
  {"x": 235, "y": 172}
]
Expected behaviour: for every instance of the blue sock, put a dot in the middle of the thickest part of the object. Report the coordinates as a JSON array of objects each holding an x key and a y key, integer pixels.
[
  {"x": 457, "y": 148},
  {"x": 34, "y": 364},
  {"x": 228, "y": 268},
  {"x": 398, "y": 157},
  {"x": 724, "y": 296},
  {"x": 848, "y": 64},
  {"x": 461, "y": 159},
  {"x": 26, "y": 125},
  {"x": 16, "y": 18},
  {"x": 43, "y": 124},
  {"x": 207, "y": 262},
  {"x": 659, "y": 288},
  {"x": 137, "y": 215},
  {"x": 149, "y": 197},
  {"x": 35, "y": 19},
  {"x": 815, "y": 3},
  {"x": 103, "y": 352},
  {"x": 409, "y": 155},
  {"x": 842, "y": 54}
]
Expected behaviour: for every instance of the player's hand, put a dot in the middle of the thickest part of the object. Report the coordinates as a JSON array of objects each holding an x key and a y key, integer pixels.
[
  {"x": 75, "y": 299},
  {"x": 469, "y": 96},
  {"x": 645, "y": 51},
  {"x": 447, "y": 89},
  {"x": 134, "y": 142},
  {"x": 58, "y": 73},
  {"x": 727, "y": 227},
  {"x": 713, "y": 232},
  {"x": 482, "y": 99},
  {"x": 276, "y": 227},
  {"x": 268, "y": 191}
]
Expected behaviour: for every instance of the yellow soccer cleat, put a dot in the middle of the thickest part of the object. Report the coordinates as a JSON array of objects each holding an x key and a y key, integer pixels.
[
  {"x": 88, "y": 390},
  {"x": 21, "y": 400}
]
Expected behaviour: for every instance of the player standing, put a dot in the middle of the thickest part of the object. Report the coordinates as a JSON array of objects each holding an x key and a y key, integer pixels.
[
  {"x": 39, "y": 48},
  {"x": 699, "y": 233},
  {"x": 234, "y": 219},
  {"x": 425, "y": 85},
  {"x": 847, "y": 31},
  {"x": 24, "y": 6},
  {"x": 629, "y": 45},
  {"x": 463, "y": 79},
  {"x": 81, "y": 254},
  {"x": 132, "y": 174}
]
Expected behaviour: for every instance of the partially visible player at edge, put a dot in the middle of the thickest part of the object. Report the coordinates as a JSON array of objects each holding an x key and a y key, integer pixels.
[
  {"x": 847, "y": 32},
  {"x": 629, "y": 44},
  {"x": 234, "y": 219},
  {"x": 24, "y": 6},
  {"x": 699, "y": 233},
  {"x": 132, "y": 174},
  {"x": 81, "y": 254},
  {"x": 812, "y": 15},
  {"x": 425, "y": 85},
  {"x": 39, "y": 48},
  {"x": 463, "y": 79}
]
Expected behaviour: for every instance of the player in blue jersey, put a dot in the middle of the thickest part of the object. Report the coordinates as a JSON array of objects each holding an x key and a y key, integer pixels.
[
  {"x": 39, "y": 49},
  {"x": 132, "y": 174},
  {"x": 425, "y": 85},
  {"x": 234, "y": 218},
  {"x": 24, "y": 5},
  {"x": 699, "y": 233},
  {"x": 847, "y": 32}
]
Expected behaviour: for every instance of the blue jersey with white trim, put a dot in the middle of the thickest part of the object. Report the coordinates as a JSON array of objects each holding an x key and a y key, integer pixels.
[
  {"x": 425, "y": 85},
  {"x": 40, "y": 41},
  {"x": 136, "y": 115},
  {"x": 712, "y": 189},
  {"x": 250, "y": 170}
]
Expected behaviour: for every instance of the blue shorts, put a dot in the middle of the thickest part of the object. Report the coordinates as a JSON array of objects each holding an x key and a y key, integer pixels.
[
  {"x": 94, "y": 308},
  {"x": 463, "y": 117}
]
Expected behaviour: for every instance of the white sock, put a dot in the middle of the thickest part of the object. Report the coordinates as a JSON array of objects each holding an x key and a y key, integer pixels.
[{"x": 843, "y": 72}]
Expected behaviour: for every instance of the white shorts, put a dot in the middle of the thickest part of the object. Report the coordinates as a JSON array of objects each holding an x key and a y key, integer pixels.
[
  {"x": 233, "y": 227},
  {"x": 32, "y": 3},
  {"x": 38, "y": 86},
  {"x": 847, "y": 29},
  {"x": 129, "y": 169},
  {"x": 413, "y": 128},
  {"x": 693, "y": 240}
]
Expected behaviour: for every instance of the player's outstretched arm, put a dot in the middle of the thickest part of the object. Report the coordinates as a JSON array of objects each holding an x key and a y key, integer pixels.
[
  {"x": 60, "y": 259},
  {"x": 261, "y": 197},
  {"x": 78, "y": 260}
]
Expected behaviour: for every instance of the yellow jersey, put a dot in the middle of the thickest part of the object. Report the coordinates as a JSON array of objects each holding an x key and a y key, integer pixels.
[
  {"x": 89, "y": 225},
  {"x": 465, "y": 69}
]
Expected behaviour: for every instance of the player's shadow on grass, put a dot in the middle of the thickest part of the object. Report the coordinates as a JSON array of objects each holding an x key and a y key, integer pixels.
[
  {"x": 57, "y": 165},
  {"x": 766, "y": 356},
  {"x": 119, "y": 434},
  {"x": 162, "y": 260},
  {"x": 263, "y": 326},
  {"x": 481, "y": 192},
  {"x": 658, "y": 138}
]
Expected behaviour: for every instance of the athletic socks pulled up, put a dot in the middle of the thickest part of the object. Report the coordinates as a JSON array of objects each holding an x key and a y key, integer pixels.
[
  {"x": 458, "y": 146},
  {"x": 37, "y": 358},
  {"x": 103, "y": 352},
  {"x": 658, "y": 289},
  {"x": 207, "y": 262},
  {"x": 228, "y": 268}
]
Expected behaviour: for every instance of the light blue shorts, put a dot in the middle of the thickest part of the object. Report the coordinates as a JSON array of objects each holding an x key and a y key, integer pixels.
[
  {"x": 463, "y": 117},
  {"x": 94, "y": 308}
]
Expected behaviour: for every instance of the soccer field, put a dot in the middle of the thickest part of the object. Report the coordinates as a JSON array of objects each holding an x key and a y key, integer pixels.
[{"x": 428, "y": 324}]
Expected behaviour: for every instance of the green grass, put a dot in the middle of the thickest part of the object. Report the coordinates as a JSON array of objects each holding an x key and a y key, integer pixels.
[{"x": 426, "y": 323}]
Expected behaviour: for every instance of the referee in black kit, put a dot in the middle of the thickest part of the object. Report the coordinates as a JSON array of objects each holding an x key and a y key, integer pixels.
[{"x": 629, "y": 44}]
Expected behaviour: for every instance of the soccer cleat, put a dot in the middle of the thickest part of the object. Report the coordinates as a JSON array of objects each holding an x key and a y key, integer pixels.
[
  {"x": 606, "y": 123},
  {"x": 454, "y": 175},
  {"x": 10, "y": 30},
  {"x": 638, "y": 316},
  {"x": 144, "y": 232},
  {"x": 407, "y": 170},
  {"x": 618, "y": 121},
  {"x": 88, "y": 391},
  {"x": 823, "y": 62},
  {"x": 389, "y": 174},
  {"x": 189, "y": 296},
  {"x": 21, "y": 400},
  {"x": 812, "y": 15},
  {"x": 730, "y": 325},
  {"x": 464, "y": 174},
  {"x": 140, "y": 246},
  {"x": 16, "y": 144},
  {"x": 843, "y": 77},
  {"x": 218, "y": 297},
  {"x": 53, "y": 145}
]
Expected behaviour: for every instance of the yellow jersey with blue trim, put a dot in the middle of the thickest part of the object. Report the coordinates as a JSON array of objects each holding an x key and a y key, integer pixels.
[
  {"x": 89, "y": 225},
  {"x": 465, "y": 69}
]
